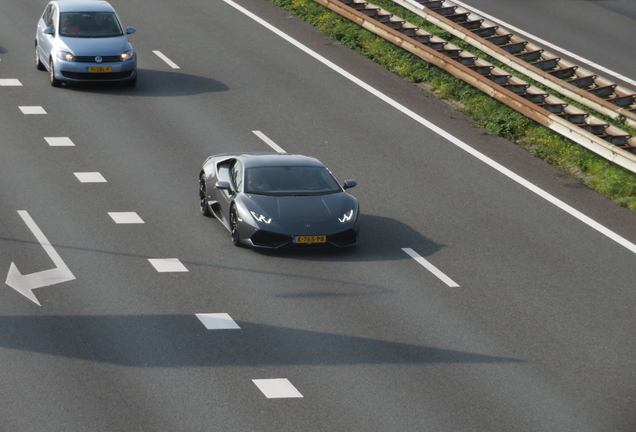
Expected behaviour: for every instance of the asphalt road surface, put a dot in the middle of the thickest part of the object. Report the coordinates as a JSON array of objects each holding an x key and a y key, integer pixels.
[{"x": 475, "y": 301}]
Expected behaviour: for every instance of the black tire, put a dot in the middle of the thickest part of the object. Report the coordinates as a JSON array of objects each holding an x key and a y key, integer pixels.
[
  {"x": 234, "y": 232},
  {"x": 54, "y": 81},
  {"x": 38, "y": 63},
  {"x": 203, "y": 197}
]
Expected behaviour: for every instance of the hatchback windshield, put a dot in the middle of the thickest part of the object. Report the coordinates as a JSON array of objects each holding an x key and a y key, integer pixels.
[
  {"x": 290, "y": 180},
  {"x": 89, "y": 25}
]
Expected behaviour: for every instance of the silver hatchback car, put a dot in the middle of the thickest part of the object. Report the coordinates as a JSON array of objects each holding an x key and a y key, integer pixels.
[{"x": 84, "y": 41}]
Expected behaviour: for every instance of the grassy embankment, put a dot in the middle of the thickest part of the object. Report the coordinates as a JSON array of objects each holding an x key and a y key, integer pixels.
[{"x": 495, "y": 117}]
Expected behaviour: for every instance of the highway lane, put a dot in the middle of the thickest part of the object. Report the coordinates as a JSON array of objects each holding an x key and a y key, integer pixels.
[
  {"x": 603, "y": 32},
  {"x": 368, "y": 337}
]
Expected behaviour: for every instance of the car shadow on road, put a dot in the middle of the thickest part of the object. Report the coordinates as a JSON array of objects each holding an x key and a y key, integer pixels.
[
  {"x": 381, "y": 238},
  {"x": 154, "y": 83},
  {"x": 180, "y": 340}
]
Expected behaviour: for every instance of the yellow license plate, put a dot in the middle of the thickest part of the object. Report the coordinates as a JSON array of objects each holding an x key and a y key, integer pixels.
[
  {"x": 310, "y": 239},
  {"x": 100, "y": 69}
]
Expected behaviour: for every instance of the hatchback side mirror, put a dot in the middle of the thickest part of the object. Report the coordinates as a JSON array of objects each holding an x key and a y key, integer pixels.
[
  {"x": 130, "y": 30},
  {"x": 48, "y": 31},
  {"x": 349, "y": 184}
]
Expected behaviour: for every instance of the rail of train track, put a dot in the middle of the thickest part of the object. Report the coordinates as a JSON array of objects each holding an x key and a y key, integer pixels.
[{"x": 561, "y": 76}]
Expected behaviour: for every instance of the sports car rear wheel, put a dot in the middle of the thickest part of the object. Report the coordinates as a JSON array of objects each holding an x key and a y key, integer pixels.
[
  {"x": 234, "y": 227},
  {"x": 203, "y": 197}
]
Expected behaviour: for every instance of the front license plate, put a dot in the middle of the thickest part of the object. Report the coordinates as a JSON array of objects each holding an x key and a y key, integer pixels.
[
  {"x": 100, "y": 69},
  {"x": 310, "y": 239}
]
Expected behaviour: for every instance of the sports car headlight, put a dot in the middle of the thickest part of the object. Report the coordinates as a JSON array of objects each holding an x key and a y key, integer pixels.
[
  {"x": 127, "y": 55},
  {"x": 65, "y": 56},
  {"x": 346, "y": 217},
  {"x": 260, "y": 217}
]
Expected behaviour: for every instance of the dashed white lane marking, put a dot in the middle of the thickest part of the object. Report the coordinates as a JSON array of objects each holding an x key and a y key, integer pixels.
[
  {"x": 430, "y": 267},
  {"x": 126, "y": 217},
  {"x": 172, "y": 64},
  {"x": 441, "y": 132},
  {"x": 217, "y": 321},
  {"x": 90, "y": 177},
  {"x": 32, "y": 110},
  {"x": 269, "y": 142},
  {"x": 164, "y": 265},
  {"x": 277, "y": 388},
  {"x": 59, "y": 141},
  {"x": 10, "y": 82}
]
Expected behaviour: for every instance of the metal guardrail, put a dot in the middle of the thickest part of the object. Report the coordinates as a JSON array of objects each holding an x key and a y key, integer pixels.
[{"x": 596, "y": 135}]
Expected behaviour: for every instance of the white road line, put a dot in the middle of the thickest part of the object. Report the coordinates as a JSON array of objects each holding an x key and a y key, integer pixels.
[
  {"x": 277, "y": 388},
  {"x": 10, "y": 82},
  {"x": 217, "y": 321},
  {"x": 163, "y": 265},
  {"x": 90, "y": 177},
  {"x": 269, "y": 142},
  {"x": 126, "y": 217},
  {"x": 430, "y": 267},
  {"x": 59, "y": 141},
  {"x": 546, "y": 43},
  {"x": 32, "y": 110},
  {"x": 441, "y": 132},
  {"x": 166, "y": 59}
]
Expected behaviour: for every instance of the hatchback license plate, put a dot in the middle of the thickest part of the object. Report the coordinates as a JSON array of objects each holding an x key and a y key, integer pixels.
[
  {"x": 100, "y": 69},
  {"x": 310, "y": 239}
]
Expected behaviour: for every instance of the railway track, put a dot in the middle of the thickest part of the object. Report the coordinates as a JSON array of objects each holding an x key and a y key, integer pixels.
[
  {"x": 561, "y": 76},
  {"x": 536, "y": 62}
]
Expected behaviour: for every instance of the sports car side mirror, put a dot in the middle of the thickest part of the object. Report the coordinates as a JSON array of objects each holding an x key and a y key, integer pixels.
[
  {"x": 222, "y": 185},
  {"x": 349, "y": 184}
]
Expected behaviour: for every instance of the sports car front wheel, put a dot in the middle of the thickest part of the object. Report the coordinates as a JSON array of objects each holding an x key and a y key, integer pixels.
[
  {"x": 234, "y": 227},
  {"x": 203, "y": 197}
]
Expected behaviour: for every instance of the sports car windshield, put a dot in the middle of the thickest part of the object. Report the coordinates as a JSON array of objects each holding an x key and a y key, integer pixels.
[
  {"x": 89, "y": 25},
  {"x": 290, "y": 180}
]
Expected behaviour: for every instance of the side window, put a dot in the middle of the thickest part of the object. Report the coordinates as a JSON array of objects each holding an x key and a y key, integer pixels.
[
  {"x": 236, "y": 175},
  {"x": 49, "y": 13}
]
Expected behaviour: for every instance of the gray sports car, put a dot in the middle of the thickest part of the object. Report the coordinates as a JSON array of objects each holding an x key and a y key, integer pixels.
[{"x": 272, "y": 200}]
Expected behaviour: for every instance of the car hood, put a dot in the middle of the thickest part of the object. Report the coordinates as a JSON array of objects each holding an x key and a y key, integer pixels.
[
  {"x": 96, "y": 46},
  {"x": 313, "y": 209}
]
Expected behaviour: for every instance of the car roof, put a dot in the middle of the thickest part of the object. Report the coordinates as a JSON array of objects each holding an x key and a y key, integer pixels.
[
  {"x": 278, "y": 159},
  {"x": 83, "y": 6}
]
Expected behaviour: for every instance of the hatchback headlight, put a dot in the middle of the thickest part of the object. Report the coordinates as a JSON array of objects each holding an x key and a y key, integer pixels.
[
  {"x": 260, "y": 217},
  {"x": 346, "y": 217},
  {"x": 128, "y": 55},
  {"x": 65, "y": 56}
]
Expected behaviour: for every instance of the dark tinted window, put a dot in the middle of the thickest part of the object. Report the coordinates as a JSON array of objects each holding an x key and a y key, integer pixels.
[
  {"x": 295, "y": 180},
  {"x": 89, "y": 24},
  {"x": 236, "y": 175}
]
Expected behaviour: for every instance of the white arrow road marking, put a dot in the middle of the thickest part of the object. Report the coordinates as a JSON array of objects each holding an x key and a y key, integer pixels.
[
  {"x": 25, "y": 284},
  {"x": 430, "y": 267}
]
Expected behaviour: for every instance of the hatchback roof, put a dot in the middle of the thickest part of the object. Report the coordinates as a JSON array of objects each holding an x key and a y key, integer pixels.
[{"x": 83, "y": 6}]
